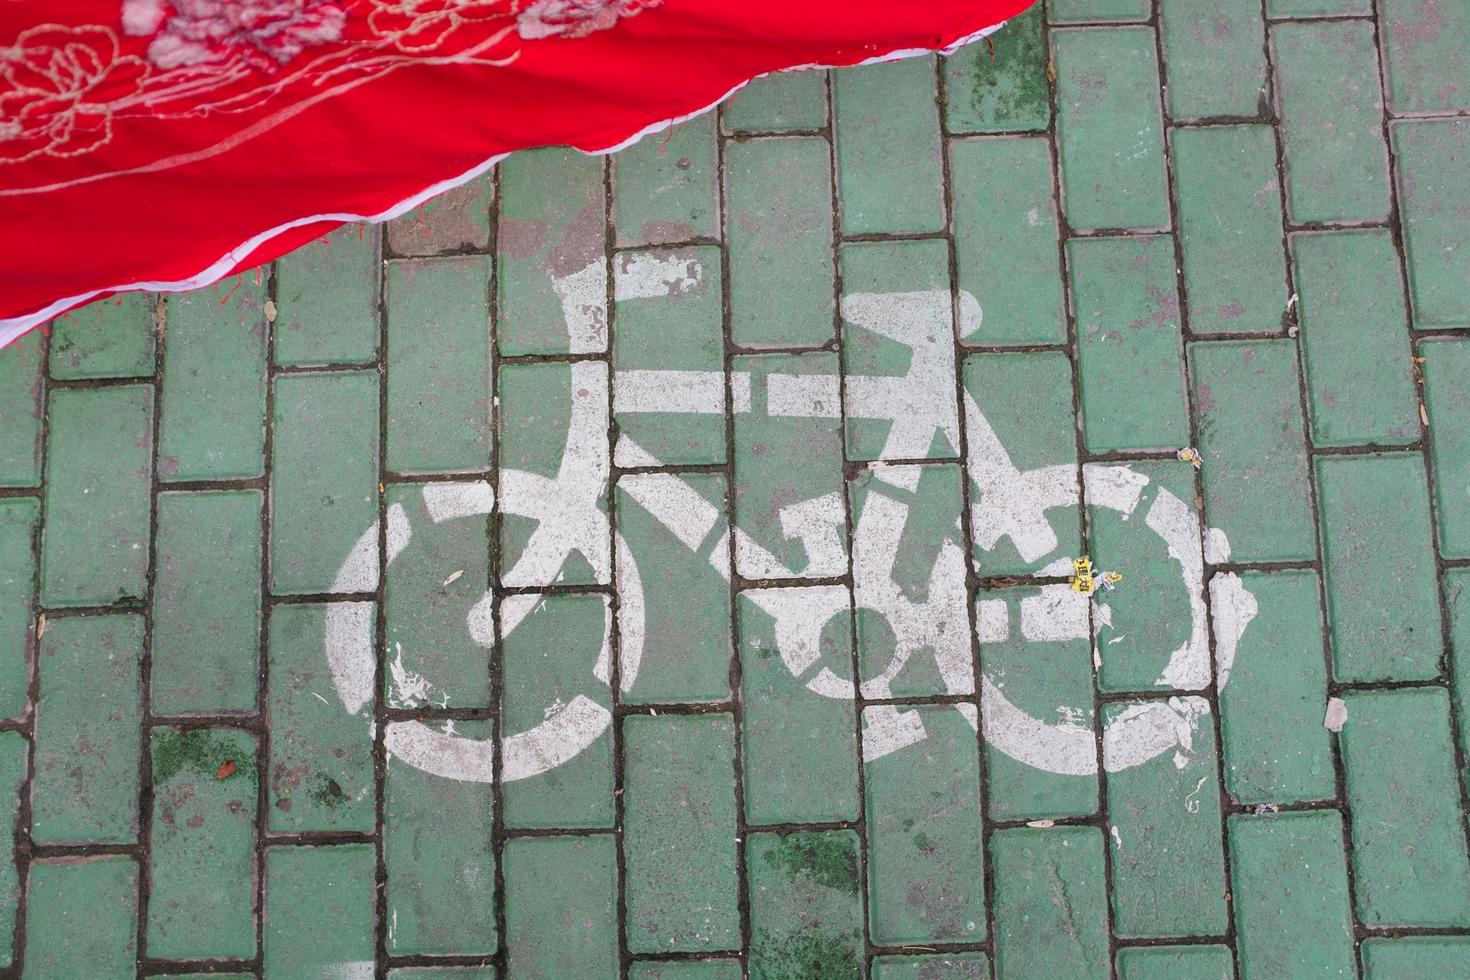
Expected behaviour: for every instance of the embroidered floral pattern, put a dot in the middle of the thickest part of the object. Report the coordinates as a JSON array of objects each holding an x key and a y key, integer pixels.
[
  {"x": 575, "y": 18},
  {"x": 264, "y": 33},
  {"x": 422, "y": 25}
]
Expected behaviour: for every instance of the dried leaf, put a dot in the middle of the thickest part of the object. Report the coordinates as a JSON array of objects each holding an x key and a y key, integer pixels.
[{"x": 226, "y": 769}]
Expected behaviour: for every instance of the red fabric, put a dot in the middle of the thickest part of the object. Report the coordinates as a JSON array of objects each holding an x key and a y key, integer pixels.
[{"x": 147, "y": 143}]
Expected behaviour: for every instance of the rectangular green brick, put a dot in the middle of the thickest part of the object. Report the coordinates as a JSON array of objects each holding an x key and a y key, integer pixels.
[
  {"x": 85, "y": 788},
  {"x": 1084, "y": 11},
  {"x": 666, "y": 186},
  {"x": 18, "y": 519},
  {"x": 319, "y": 904},
  {"x": 1432, "y": 158},
  {"x": 108, "y": 338},
  {"x": 440, "y": 861},
  {"x": 561, "y": 896},
  {"x": 1414, "y": 956},
  {"x": 778, "y": 229},
  {"x": 1457, "y": 598},
  {"x": 201, "y": 856},
  {"x": 885, "y": 121},
  {"x": 1446, "y": 368},
  {"x": 1230, "y": 228},
  {"x": 1005, "y": 228},
  {"x": 324, "y": 482},
  {"x": 206, "y": 603},
  {"x": 781, "y": 102},
  {"x": 1424, "y": 43},
  {"x": 1276, "y": 750},
  {"x": 1164, "y": 820},
  {"x": 14, "y": 750},
  {"x": 1290, "y": 893},
  {"x": 442, "y": 973},
  {"x": 1109, "y": 128},
  {"x": 1330, "y": 107},
  {"x": 22, "y": 402},
  {"x": 321, "y": 765},
  {"x": 806, "y": 905},
  {"x": 679, "y": 837},
  {"x": 926, "y": 877},
  {"x": 327, "y": 299},
  {"x": 82, "y": 911},
  {"x": 457, "y": 220},
  {"x": 1318, "y": 8},
  {"x": 1378, "y": 556},
  {"x": 1252, "y": 443},
  {"x": 95, "y": 549},
  {"x": 211, "y": 424},
  {"x": 1410, "y": 867},
  {"x": 549, "y": 254},
  {"x": 1220, "y": 48},
  {"x": 954, "y": 966},
  {"x": 551, "y": 646},
  {"x": 1000, "y": 86},
  {"x": 686, "y": 970},
  {"x": 1176, "y": 963},
  {"x": 438, "y": 364},
  {"x": 1130, "y": 351},
  {"x": 1049, "y": 884},
  {"x": 1355, "y": 340}
]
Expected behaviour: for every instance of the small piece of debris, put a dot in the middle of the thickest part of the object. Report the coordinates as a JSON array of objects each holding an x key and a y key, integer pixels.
[
  {"x": 1082, "y": 576},
  {"x": 1110, "y": 580},
  {"x": 1266, "y": 808},
  {"x": 1043, "y": 824},
  {"x": 1423, "y": 415},
  {"x": 1336, "y": 715},
  {"x": 270, "y": 311},
  {"x": 321, "y": 699},
  {"x": 226, "y": 769},
  {"x": 1191, "y": 456},
  {"x": 453, "y": 578},
  {"x": 1051, "y": 71},
  {"x": 40, "y": 626}
]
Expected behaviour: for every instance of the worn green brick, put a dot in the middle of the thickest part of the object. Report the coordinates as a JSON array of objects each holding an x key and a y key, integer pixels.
[
  {"x": 1424, "y": 43},
  {"x": 1230, "y": 228},
  {"x": 1176, "y": 963},
  {"x": 1446, "y": 369},
  {"x": 1290, "y": 893},
  {"x": 22, "y": 401},
  {"x": 999, "y": 86},
  {"x": 18, "y": 519},
  {"x": 1317, "y": 8},
  {"x": 781, "y": 102},
  {"x": 95, "y": 549},
  {"x": 1005, "y": 228},
  {"x": 438, "y": 364},
  {"x": 926, "y": 880},
  {"x": 1130, "y": 354},
  {"x": 666, "y": 186},
  {"x": 1109, "y": 128},
  {"x": 679, "y": 834},
  {"x": 1433, "y": 177},
  {"x": 82, "y": 911},
  {"x": 1083, "y": 11},
  {"x": 327, "y": 299},
  {"x": 1247, "y": 402},
  {"x": 201, "y": 856},
  {"x": 686, "y": 970},
  {"x": 319, "y": 905},
  {"x": 442, "y": 973},
  {"x": 1457, "y": 598},
  {"x": 1275, "y": 696},
  {"x": 85, "y": 788},
  {"x": 885, "y": 122},
  {"x": 1378, "y": 556},
  {"x": 954, "y": 966},
  {"x": 458, "y": 220},
  {"x": 778, "y": 230},
  {"x": 1331, "y": 110},
  {"x": 806, "y": 906},
  {"x": 14, "y": 750},
  {"x": 1218, "y": 58},
  {"x": 206, "y": 603},
  {"x": 561, "y": 897},
  {"x": 1049, "y": 884},
  {"x": 1410, "y": 866},
  {"x": 1355, "y": 342},
  {"x": 324, "y": 481},
  {"x": 108, "y": 338},
  {"x": 1411, "y": 957}
]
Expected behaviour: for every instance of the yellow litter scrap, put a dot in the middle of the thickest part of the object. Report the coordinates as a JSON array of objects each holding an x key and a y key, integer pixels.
[
  {"x": 1082, "y": 580},
  {"x": 1191, "y": 456}
]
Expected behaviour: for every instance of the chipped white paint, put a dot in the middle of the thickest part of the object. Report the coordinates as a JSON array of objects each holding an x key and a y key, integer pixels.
[
  {"x": 583, "y": 296},
  {"x": 1336, "y": 716},
  {"x": 446, "y": 501},
  {"x": 1011, "y": 503}
]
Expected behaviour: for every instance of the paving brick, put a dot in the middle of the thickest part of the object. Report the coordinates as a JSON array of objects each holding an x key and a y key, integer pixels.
[
  {"x": 319, "y": 905},
  {"x": 439, "y": 365},
  {"x": 1175, "y": 963},
  {"x": 782, "y": 102},
  {"x": 440, "y": 862},
  {"x": 885, "y": 121},
  {"x": 1129, "y": 348},
  {"x": 14, "y": 750},
  {"x": 549, "y": 251},
  {"x": 926, "y": 881},
  {"x": 324, "y": 463},
  {"x": 551, "y": 645},
  {"x": 1446, "y": 369},
  {"x": 212, "y": 421},
  {"x": 1005, "y": 230},
  {"x": 1216, "y": 58},
  {"x": 206, "y": 603},
  {"x": 82, "y": 910},
  {"x": 458, "y": 220},
  {"x": 22, "y": 401},
  {"x": 679, "y": 837},
  {"x": 1424, "y": 44},
  {"x": 1109, "y": 129},
  {"x": 18, "y": 518},
  {"x": 1457, "y": 598},
  {"x": 1000, "y": 86},
  {"x": 1271, "y": 710},
  {"x": 1049, "y": 884},
  {"x": 442, "y": 973},
  {"x": 1290, "y": 893},
  {"x": 806, "y": 907},
  {"x": 1331, "y": 109},
  {"x": 778, "y": 230},
  {"x": 1355, "y": 350},
  {"x": 109, "y": 338},
  {"x": 1084, "y": 11},
  {"x": 1431, "y": 157},
  {"x": 327, "y": 299},
  {"x": 953, "y": 966},
  {"x": 561, "y": 907},
  {"x": 1318, "y": 8},
  {"x": 1230, "y": 228},
  {"x": 95, "y": 549},
  {"x": 201, "y": 856},
  {"x": 1382, "y": 602},
  {"x": 1247, "y": 402},
  {"x": 85, "y": 788},
  {"x": 686, "y": 970},
  {"x": 666, "y": 186},
  {"x": 1414, "y": 956},
  {"x": 1410, "y": 866}
]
